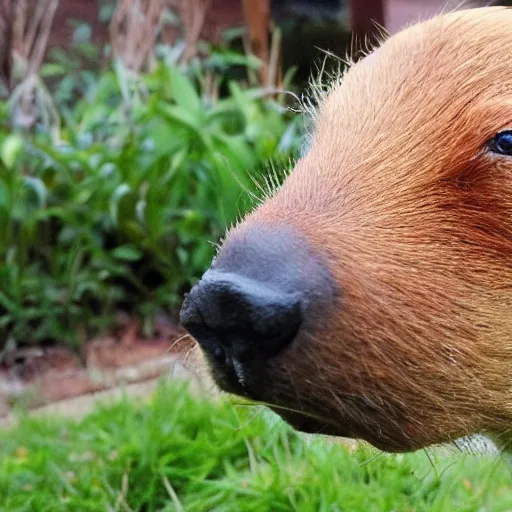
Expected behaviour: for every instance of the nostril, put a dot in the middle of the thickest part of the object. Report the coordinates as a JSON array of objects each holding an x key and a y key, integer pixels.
[{"x": 234, "y": 317}]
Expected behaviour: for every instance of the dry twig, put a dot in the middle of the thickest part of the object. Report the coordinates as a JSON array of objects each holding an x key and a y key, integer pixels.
[
  {"x": 192, "y": 14},
  {"x": 31, "y": 30},
  {"x": 31, "y": 23},
  {"x": 134, "y": 30}
]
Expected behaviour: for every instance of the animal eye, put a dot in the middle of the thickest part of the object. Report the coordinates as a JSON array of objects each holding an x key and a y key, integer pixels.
[{"x": 502, "y": 143}]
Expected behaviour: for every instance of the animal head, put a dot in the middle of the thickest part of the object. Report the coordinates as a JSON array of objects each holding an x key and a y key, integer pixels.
[{"x": 371, "y": 295}]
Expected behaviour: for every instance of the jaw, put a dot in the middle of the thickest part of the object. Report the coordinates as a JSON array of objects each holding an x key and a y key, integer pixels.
[
  {"x": 377, "y": 430},
  {"x": 387, "y": 441}
]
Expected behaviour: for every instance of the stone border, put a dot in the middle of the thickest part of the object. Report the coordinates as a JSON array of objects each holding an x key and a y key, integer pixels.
[{"x": 79, "y": 406}]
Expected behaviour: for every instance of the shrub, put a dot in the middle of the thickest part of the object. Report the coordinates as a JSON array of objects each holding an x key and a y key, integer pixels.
[{"x": 117, "y": 209}]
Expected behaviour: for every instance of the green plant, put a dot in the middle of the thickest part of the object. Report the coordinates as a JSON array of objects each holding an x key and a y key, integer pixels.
[{"x": 119, "y": 207}]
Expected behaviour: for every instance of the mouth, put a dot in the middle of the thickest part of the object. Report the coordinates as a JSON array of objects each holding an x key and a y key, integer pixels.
[
  {"x": 301, "y": 421},
  {"x": 378, "y": 431}
]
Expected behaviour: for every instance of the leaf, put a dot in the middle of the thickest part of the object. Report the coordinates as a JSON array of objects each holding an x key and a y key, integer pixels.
[
  {"x": 5, "y": 198},
  {"x": 237, "y": 149},
  {"x": 106, "y": 12},
  {"x": 167, "y": 140},
  {"x": 226, "y": 59},
  {"x": 11, "y": 150},
  {"x": 181, "y": 116},
  {"x": 52, "y": 69},
  {"x": 82, "y": 34},
  {"x": 7, "y": 303},
  {"x": 239, "y": 96},
  {"x": 39, "y": 188},
  {"x": 225, "y": 109},
  {"x": 120, "y": 193},
  {"x": 127, "y": 253},
  {"x": 185, "y": 94}
]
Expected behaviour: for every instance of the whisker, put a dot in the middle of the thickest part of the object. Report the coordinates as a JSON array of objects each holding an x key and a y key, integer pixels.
[
  {"x": 253, "y": 403},
  {"x": 257, "y": 413},
  {"x": 431, "y": 462},
  {"x": 446, "y": 468},
  {"x": 294, "y": 388},
  {"x": 188, "y": 354},
  {"x": 371, "y": 459},
  {"x": 181, "y": 338}
]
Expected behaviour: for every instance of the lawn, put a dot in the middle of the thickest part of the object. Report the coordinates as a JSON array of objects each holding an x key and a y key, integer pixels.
[{"x": 179, "y": 452}]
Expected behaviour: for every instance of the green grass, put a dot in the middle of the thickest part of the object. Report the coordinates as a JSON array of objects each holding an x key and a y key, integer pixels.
[{"x": 182, "y": 453}]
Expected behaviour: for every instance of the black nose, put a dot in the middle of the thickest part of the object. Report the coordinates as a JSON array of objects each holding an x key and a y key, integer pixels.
[
  {"x": 235, "y": 317},
  {"x": 264, "y": 285}
]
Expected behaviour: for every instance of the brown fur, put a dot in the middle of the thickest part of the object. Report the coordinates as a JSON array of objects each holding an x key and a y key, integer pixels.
[{"x": 414, "y": 220}]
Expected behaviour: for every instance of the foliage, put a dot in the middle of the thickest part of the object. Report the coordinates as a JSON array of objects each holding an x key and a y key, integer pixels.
[
  {"x": 183, "y": 453},
  {"x": 119, "y": 207}
]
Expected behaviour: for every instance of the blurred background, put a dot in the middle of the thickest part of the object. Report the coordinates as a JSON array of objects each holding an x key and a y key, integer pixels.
[{"x": 132, "y": 133}]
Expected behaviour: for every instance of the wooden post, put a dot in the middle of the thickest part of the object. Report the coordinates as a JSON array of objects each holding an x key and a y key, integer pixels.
[{"x": 257, "y": 19}]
